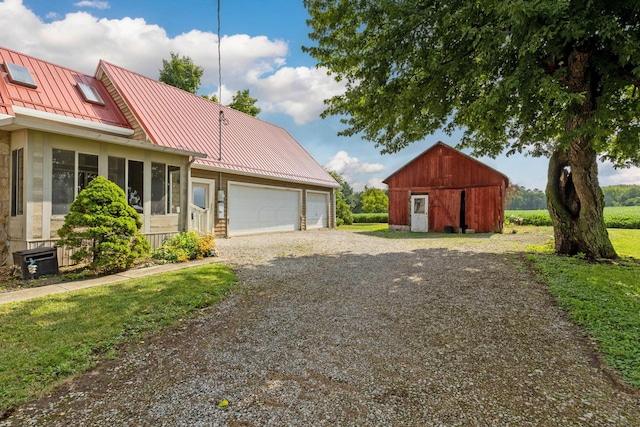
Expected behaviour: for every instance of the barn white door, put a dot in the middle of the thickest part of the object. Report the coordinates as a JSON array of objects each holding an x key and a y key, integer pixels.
[
  {"x": 420, "y": 213},
  {"x": 262, "y": 209}
]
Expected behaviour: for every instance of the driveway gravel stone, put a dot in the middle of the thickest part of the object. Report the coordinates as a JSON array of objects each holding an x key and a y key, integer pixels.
[{"x": 333, "y": 328}]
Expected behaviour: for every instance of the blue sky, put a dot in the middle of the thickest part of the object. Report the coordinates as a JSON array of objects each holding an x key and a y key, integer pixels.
[{"x": 261, "y": 51}]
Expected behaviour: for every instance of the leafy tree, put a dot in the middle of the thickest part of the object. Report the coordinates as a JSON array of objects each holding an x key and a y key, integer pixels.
[
  {"x": 181, "y": 72},
  {"x": 552, "y": 78},
  {"x": 212, "y": 98},
  {"x": 374, "y": 200},
  {"x": 519, "y": 197},
  {"x": 243, "y": 102},
  {"x": 621, "y": 195},
  {"x": 343, "y": 211},
  {"x": 104, "y": 228}
]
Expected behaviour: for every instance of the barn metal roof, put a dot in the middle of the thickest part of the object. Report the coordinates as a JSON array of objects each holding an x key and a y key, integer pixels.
[
  {"x": 250, "y": 146},
  {"x": 56, "y": 93}
]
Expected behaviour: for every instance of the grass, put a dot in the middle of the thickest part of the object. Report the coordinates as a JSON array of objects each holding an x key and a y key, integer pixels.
[
  {"x": 46, "y": 340},
  {"x": 604, "y": 298}
]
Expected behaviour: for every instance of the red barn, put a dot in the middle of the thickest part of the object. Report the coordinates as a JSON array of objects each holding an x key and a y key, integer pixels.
[{"x": 444, "y": 190}]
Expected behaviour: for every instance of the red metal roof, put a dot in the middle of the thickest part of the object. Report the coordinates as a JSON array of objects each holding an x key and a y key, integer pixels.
[
  {"x": 56, "y": 92},
  {"x": 175, "y": 118}
]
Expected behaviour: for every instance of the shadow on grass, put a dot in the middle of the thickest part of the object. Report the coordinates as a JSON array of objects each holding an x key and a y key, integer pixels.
[{"x": 404, "y": 235}]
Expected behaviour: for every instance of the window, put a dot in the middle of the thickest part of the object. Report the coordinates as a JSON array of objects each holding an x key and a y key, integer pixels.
[
  {"x": 68, "y": 180},
  {"x": 62, "y": 181},
  {"x": 173, "y": 189},
  {"x": 17, "y": 182},
  {"x": 135, "y": 185},
  {"x": 20, "y": 75},
  {"x": 158, "y": 194},
  {"x": 116, "y": 172},
  {"x": 90, "y": 94},
  {"x": 87, "y": 170},
  {"x": 165, "y": 189}
]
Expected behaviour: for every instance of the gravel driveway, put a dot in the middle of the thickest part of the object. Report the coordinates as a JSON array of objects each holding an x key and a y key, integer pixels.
[{"x": 336, "y": 328}]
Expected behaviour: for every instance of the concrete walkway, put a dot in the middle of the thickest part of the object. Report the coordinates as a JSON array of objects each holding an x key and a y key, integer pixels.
[{"x": 30, "y": 293}]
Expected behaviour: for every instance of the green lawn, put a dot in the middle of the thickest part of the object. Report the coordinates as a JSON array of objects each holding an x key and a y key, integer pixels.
[
  {"x": 45, "y": 340},
  {"x": 603, "y": 297}
]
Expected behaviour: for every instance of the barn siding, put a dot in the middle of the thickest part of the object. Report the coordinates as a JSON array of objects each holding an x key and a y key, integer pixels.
[{"x": 443, "y": 173}]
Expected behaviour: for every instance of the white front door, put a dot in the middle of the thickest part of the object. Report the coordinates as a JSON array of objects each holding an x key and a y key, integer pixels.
[
  {"x": 420, "y": 213},
  {"x": 201, "y": 215}
]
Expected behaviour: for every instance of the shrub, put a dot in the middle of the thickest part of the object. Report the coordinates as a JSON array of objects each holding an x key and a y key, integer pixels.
[
  {"x": 370, "y": 218},
  {"x": 186, "y": 246},
  {"x": 103, "y": 228}
]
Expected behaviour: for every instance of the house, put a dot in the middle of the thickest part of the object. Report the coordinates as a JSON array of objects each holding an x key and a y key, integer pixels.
[
  {"x": 60, "y": 128},
  {"x": 255, "y": 178},
  {"x": 444, "y": 190}
]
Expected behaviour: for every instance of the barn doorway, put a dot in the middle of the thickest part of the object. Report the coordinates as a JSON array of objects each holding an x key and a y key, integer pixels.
[
  {"x": 420, "y": 213},
  {"x": 463, "y": 225}
]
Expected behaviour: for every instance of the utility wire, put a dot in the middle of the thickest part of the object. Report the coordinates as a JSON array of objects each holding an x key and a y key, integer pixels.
[{"x": 221, "y": 113}]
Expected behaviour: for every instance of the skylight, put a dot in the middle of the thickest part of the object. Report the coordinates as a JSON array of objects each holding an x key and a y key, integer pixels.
[
  {"x": 90, "y": 94},
  {"x": 20, "y": 75}
]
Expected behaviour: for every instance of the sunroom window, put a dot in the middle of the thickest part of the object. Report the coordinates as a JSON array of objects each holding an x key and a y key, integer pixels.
[{"x": 70, "y": 175}]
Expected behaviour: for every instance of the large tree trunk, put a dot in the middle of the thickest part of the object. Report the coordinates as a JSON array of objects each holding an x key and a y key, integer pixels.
[
  {"x": 574, "y": 197},
  {"x": 576, "y": 204}
]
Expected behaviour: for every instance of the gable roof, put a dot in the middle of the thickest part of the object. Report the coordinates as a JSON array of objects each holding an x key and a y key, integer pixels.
[
  {"x": 56, "y": 95},
  {"x": 442, "y": 144},
  {"x": 176, "y": 118}
]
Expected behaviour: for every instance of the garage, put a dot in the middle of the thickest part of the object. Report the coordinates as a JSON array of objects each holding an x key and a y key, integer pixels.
[
  {"x": 262, "y": 209},
  {"x": 317, "y": 210}
]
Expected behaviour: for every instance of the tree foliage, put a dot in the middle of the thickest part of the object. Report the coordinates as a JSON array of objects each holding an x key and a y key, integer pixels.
[
  {"x": 521, "y": 198},
  {"x": 212, "y": 98},
  {"x": 242, "y": 101},
  {"x": 552, "y": 78},
  {"x": 374, "y": 200},
  {"x": 181, "y": 72},
  {"x": 103, "y": 228},
  {"x": 622, "y": 195},
  {"x": 343, "y": 211}
]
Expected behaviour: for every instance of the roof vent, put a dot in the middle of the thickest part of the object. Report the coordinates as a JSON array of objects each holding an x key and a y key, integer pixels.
[
  {"x": 20, "y": 75},
  {"x": 90, "y": 94}
]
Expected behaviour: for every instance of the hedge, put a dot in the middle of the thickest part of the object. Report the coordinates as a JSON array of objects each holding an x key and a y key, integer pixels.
[
  {"x": 371, "y": 218},
  {"x": 613, "y": 218}
]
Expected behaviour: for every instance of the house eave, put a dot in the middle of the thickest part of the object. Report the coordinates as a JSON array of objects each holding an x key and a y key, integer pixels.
[
  {"x": 70, "y": 121},
  {"x": 263, "y": 176},
  {"x": 15, "y": 123}
]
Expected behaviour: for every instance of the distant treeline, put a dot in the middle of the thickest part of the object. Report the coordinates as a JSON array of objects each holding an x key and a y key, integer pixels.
[{"x": 521, "y": 198}]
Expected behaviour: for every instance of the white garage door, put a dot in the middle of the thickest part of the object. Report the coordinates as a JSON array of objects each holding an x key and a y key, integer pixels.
[
  {"x": 317, "y": 210},
  {"x": 258, "y": 209}
]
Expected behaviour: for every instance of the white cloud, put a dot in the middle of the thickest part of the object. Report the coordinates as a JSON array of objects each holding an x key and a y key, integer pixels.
[
  {"x": 79, "y": 40},
  {"x": 299, "y": 92},
  {"x": 353, "y": 170},
  {"x": 376, "y": 183},
  {"x": 95, "y": 4},
  {"x": 610, "y": 176}
]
